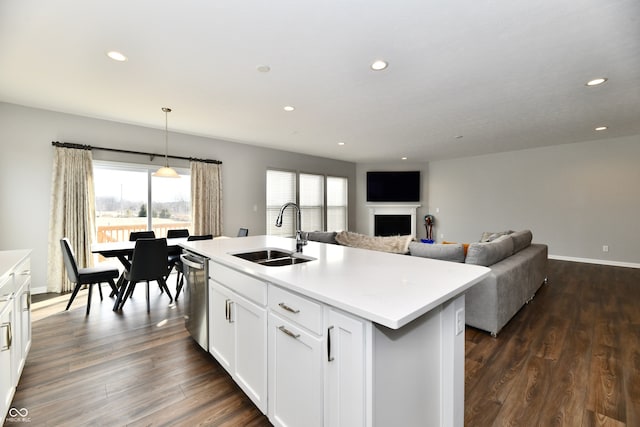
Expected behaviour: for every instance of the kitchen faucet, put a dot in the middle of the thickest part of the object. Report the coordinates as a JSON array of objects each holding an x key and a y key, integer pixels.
[{"x": 300, "y": 242}]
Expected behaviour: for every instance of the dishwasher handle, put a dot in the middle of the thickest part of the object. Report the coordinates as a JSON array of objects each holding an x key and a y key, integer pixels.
[{"x": 193, "y": 262}]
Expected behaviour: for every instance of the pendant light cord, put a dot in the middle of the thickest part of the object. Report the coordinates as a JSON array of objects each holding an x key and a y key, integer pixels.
[{"x": 166, "y": 110}]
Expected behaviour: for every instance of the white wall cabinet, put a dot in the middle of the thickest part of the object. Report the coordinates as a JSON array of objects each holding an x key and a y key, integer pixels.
[{"x": 238, "y": 331}]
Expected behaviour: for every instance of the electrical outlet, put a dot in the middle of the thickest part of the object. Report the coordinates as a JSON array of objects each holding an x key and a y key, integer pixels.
[
  {"x": 459, "y": 321},
  {"x": 605, "y": 248}
]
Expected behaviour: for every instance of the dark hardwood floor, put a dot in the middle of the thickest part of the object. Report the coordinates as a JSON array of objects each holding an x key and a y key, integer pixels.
[
  {"x": 129, "y": 368},
  {"x": 569, "y": 358}
]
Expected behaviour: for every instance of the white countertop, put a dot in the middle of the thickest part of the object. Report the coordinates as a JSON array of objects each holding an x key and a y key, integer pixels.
[{"x": 388, "y": 289}]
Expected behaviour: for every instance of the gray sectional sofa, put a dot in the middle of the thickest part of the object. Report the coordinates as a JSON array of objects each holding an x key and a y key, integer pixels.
[{"x": 518, "y": 269}]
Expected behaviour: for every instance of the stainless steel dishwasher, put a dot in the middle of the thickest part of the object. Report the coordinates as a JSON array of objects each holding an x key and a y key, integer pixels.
[{"x": 196, "y": 295}]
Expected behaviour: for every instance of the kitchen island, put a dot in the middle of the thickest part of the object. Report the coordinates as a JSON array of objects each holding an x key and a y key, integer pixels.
[{"x": 351, "y": 337}]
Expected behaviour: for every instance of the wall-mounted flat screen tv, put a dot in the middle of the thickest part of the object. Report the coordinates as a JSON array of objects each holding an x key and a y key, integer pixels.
[{"x": 398, "y": 186}]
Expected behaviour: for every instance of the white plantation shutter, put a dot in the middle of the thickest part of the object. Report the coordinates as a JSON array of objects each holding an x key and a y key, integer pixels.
[
  {"x": 312, "y": 202},
  {"x": 281, "y": 189},
  {"x": 337, "y": 190},
  {"x": 322, "y": 199}
]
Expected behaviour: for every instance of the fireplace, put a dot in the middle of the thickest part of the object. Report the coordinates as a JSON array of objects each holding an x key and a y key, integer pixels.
[
  {"x": 392, "y": 219},
  {"x": 391, "y": 225}
]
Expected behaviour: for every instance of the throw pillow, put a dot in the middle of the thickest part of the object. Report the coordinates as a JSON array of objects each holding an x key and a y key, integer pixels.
[
  {"x": 490, "y": 236},
  {"x": 488, "y": 253},
  {"x": 445, "y": 252}
]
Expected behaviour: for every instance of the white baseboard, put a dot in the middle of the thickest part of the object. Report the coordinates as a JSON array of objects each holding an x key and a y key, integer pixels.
[{"x": 595, "y": 261}]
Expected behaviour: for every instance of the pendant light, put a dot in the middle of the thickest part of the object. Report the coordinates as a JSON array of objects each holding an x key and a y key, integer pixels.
[{"x": 166, "y": 171}]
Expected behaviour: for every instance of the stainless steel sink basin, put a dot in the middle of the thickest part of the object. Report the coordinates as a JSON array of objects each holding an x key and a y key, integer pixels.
[{"x": 273, "y": 257}]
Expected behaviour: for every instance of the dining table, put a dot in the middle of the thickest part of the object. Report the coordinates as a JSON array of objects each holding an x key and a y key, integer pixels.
[{"x": 123, "y": 250}]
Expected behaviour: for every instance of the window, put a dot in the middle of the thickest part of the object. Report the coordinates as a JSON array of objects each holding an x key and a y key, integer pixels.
[
  {"x": 129, "y": 198},
  {"x": 337, "y": 189},
  {"x": 281, "y": 189},
  {"x": 322, "y": 200}
]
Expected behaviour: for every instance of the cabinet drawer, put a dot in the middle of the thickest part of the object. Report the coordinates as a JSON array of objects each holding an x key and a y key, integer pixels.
[
  {"x": 247, "y": 286},
  {"x": 304, "y": 311}
]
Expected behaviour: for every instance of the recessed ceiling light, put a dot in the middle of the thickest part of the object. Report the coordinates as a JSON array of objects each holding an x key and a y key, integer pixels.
[
  {"x": 403, "y": 158},
  {"x": 263, "y": 68},
  {"x": 340, "y": 143},
  {"x": 601, "y": 128},
  {"x": 288, "y": 108},
  {"x": 379, "y": 65},
  {"x": 596, "y": 82},
  {"x": 116, "y": 56}
]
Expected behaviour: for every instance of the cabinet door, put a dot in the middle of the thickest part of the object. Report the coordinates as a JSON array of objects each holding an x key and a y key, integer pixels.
[
  {"x": 221, "y": 328},
  {"x": 295, "y": 375},
  {"x": 346, "y": 371},
  {"x": 6, "y": 378},
  {"x": 250, "y": 367}
]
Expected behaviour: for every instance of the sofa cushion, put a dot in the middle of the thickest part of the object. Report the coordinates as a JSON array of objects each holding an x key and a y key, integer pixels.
[
  {"x": 490, "y": 236},
  {"x": 488, "y": 253},
  {"x": 446, "y": 252},
  {"x": 521, "y": 239},
  {"x": 322, "y": 236},
  {"x": 465, "y": 246}
]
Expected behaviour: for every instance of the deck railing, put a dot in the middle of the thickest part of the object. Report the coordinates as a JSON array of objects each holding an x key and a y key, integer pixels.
[{"x": 119, "y": 233}]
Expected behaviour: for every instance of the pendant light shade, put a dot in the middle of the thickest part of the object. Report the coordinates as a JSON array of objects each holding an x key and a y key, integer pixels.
[{"x": 166, "y": 171}]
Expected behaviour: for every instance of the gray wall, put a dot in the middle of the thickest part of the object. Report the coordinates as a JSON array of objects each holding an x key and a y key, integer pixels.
[
  {"x": 575, "y": 197},
  {"x": 27, "y": 155}
]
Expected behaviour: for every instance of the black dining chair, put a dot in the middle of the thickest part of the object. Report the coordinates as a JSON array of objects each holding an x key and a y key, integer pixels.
[
  {"x": 148, "y": 263},
  {"x": 179, "y": 270},
  {"x": 243, "y": 232},
  {"x": 174, "y": 253},
  {"x": 147, "y": 234},
  {"x": 85, "y": 276}
]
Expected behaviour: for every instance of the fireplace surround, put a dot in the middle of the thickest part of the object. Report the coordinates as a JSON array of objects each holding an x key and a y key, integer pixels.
[{"x": 392, "y": 219}]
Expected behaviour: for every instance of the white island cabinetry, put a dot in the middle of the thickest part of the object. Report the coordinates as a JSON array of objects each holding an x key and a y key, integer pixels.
[
  {"x": 238, "y": 329},
  {"x": 350, "y": 338}
]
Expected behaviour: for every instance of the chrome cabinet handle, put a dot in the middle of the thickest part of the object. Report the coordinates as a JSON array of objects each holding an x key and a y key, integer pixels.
[
  {"x": 288, "y": 332},
  {"x": 227, "y": 310},
  {"x": 286, "y": 307},
  {"x": 28, "y": 302},
  {"x": 8, "y": 336},
  {"x": 329, "y": 357}
]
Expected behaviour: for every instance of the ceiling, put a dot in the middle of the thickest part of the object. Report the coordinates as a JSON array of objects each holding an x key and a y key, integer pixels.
[{"x": 465, "y": 77}]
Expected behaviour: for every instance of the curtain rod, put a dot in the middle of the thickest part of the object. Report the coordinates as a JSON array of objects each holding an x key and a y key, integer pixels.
[{"x": 116, "y": 150}]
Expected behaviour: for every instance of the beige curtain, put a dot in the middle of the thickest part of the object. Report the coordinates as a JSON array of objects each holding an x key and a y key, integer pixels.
[
  {"x": 206, "y": 198},
  {"x": 72, "y": 213}
]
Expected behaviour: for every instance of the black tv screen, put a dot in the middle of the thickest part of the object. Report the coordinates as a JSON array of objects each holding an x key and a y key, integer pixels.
[{"x": 399, "y": 186}]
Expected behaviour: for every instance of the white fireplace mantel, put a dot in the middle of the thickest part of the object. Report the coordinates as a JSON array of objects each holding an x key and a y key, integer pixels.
[{"x": 393, "y": 209}]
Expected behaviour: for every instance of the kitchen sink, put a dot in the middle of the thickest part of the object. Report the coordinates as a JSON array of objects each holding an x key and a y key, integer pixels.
[{"x": 274, "y": 257}]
